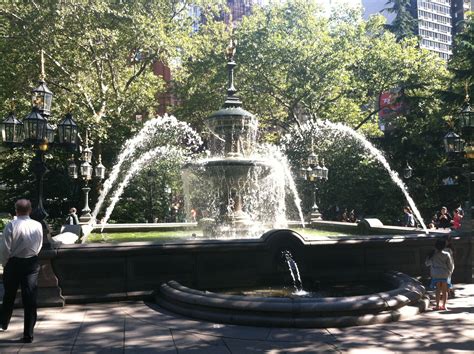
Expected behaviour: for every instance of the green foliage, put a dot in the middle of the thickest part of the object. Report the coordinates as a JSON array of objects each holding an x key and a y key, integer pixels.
[
  {"x": 462, "y": 62},
  {"x": 99, "y": 56},
  {"x": 403, "y": 25}
]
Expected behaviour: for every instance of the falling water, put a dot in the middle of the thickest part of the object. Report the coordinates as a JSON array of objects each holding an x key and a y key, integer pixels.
[
  {"x": 378, "y": 155},
  {"x": 294, "y": 272},
  {"x": 278, "y": 155},
  {"x": 161, "y": 152},
  {"x": 166, "y": 130}
]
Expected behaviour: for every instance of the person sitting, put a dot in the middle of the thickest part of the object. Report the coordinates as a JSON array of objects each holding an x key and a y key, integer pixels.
[
  {"x": 72, "y": 217},
  {"x": 444, "y": 220},
  {"x": 408, "y": 219}
]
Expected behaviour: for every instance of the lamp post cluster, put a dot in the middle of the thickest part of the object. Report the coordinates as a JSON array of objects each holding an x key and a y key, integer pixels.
[
  {"x": 461, "y": 147},
  {"x": 36, "y": 132},
  {"x": 313, "y": 172},
  {"x": 85, "y": 171}
]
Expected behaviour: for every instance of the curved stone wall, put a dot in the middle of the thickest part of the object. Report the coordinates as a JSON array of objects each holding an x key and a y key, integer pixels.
[{"x": 296, "y": 312}]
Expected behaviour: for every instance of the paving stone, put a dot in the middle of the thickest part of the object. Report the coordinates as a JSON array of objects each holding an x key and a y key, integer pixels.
[
  {"x": 189, "y": 342},
  {"x": 137, "y": 327},
  {"x": 300, "y": 334},
  {"x": 142, "y": 337},
  {"x": 239, "y": 346}
]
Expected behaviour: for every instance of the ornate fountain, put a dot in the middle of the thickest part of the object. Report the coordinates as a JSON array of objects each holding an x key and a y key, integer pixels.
[{"x": 231, "y": 175}]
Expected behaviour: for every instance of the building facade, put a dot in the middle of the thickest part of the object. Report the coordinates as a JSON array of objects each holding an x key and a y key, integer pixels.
[
  {"x": 438, "y": 21},
  {"x": 435, "y": 25}
]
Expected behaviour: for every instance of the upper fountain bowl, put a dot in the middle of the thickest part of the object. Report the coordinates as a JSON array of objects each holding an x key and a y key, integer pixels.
[{"x": 234, "y": 132}]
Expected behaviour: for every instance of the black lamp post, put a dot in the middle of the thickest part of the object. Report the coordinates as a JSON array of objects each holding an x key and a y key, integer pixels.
[
  {"x": 86, "y": 171},
  {"x": 312, "y": 172},
  {"x": 35, "y": 131},
  {"x": 168, "y": 196}
]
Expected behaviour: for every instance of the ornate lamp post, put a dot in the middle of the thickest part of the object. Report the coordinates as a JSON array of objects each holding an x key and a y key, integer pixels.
[
  {"x": 36, "y": 132},
  {"x": 167, "y": 191},
  {"x": 313, "y": 172},
  {"x": 86, "y": 171}
]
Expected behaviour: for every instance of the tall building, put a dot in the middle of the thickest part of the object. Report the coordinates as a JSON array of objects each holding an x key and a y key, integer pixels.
[
  {"x": 438, "y": 21},
  {"x": 435, "y": 25}
]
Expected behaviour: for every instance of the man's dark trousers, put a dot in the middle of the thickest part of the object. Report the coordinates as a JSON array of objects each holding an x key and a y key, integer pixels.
[{"x": 21, "y": 272}]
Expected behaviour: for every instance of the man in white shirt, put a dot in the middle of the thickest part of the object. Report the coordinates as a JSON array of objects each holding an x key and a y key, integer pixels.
[{"x": 22, "y": 241}]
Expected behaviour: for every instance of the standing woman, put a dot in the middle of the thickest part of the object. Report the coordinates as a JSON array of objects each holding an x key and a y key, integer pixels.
[
  {"x": 441, "y": 268},
  {"x": 408, "y": 218},
  {"x": 22, "y": 241}
]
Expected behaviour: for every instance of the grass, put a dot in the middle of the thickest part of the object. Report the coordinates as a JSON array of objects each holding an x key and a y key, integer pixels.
[
  {"x": 159, "y": 236},
  {"x": 168, "y": 236},
  {"x": 318, "y": 233}
]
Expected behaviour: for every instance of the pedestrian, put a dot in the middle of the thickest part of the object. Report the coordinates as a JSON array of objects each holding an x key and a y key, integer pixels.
[
  {"x": 457, "y": 219},
  {"x": 72, "y": 217},
  {"x": 21, "y": 243},
  {"x": 408, "y": 219},
  {"x": 441, "y": 268},
  {"x": 444, "y": 220},
  {"x": 450, "y": 249}
]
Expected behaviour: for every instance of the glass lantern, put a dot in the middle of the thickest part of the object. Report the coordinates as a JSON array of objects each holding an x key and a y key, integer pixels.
[
  {"x": 49, "y": 133},
  {"x": 302, "y": 173},
  {"x": 100, "y": 169},
  {"x": 87, "y": 154},
  {"x": 453, "y": 143},
  {"x": 324, "y": 171},
  {"x": 42, "y": 98},
  {"x": 67, "y": 131},
  {"x": 72, "y": 168},
  {"x": 407, "y": 171},
  {"x": 12, "y": 129},
  {"x": 86, "y": 170},
  {"x": 312, "y": 159},
  {"x": 466, "y": 117},
  {"x": 34, "y": 127}
]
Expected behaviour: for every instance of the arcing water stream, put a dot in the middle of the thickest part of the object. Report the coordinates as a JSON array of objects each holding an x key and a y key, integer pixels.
[
  {"x": 379, "y": 156},
  {"x": 160, "y": 131}
]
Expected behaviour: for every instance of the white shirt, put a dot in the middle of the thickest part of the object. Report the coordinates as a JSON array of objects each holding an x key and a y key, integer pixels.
[{"x": 22, "y": 238}]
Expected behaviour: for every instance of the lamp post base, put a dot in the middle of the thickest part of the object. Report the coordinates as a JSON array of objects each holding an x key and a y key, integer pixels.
[
  {"x": 86, "y": 212},
  {"x": 85, "y": 218}
]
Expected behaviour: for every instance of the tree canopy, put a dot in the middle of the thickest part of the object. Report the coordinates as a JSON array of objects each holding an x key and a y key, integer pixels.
[{"x": 403, "y": 25}]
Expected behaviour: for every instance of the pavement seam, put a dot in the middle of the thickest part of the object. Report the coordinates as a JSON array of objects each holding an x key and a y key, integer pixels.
[
  {"x": 225, "y": 344},
  {"x": 124, "y": 332},
  {"x": 174, "y": 342},
  {"x": 78, "y": 331},
  {"x": 335, "y": 342}
]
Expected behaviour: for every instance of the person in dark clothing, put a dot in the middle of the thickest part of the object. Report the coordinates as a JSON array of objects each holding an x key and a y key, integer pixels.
[
  {"x": 72, "y": 217},
  {"x": 444, "y": 220},
  {"x": 21, "y": 242}
]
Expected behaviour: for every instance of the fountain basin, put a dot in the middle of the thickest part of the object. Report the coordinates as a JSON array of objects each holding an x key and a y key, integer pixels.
[
  {"x": 130, "y": 270},
  {"x": 379, "y": 307}
]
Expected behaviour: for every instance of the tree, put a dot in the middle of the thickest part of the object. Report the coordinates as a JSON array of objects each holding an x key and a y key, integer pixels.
[
  {"x": 295, "y": 64},
  {"x": 462, "y": 62},
  {"x": 99, "y": 55},
  {"x": 403, "y": 25}
]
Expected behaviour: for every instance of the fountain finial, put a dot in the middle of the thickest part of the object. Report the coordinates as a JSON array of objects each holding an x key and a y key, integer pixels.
[{"x": 232, "y": 100}]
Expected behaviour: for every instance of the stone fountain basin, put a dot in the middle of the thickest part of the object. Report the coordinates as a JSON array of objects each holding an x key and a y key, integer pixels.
[
  {"x": 379, "y": 307},
  {"x": 228, "y": 168}
]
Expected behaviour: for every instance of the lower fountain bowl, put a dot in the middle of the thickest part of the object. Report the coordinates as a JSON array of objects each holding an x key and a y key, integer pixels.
[{"x": 406, "y": 298}]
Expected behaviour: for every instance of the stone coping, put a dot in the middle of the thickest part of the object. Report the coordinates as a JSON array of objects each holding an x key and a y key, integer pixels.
[{"x": 262, "y": 242}]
